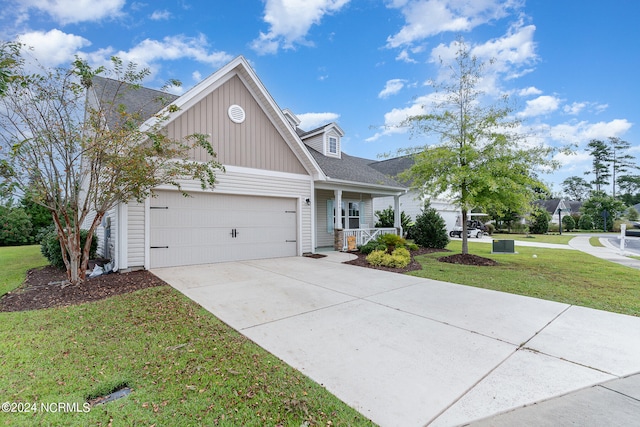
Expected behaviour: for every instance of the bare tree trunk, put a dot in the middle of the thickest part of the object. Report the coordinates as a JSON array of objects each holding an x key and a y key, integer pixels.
[
  {"x": 465, "y": 240},
  {"x": 87, "y": 246}
]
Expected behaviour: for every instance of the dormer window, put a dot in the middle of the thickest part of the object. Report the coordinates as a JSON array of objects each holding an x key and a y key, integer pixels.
[{"x": 333, "y": 145}]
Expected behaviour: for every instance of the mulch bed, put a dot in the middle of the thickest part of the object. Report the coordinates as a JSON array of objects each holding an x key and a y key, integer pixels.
[
  {"x": 468, "y": 259},
  {"x": 44, "y": 288},
  {"x": 413, "y": 265}
]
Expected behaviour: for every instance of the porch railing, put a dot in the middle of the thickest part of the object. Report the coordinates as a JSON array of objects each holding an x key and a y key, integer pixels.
[{"x": 364, "y": 235}]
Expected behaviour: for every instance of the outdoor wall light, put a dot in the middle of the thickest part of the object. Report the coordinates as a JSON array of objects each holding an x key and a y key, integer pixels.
[{"x": 308, "y": 201}]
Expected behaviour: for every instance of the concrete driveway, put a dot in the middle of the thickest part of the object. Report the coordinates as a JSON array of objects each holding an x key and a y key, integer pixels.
[{"x": 410, "y": 351}]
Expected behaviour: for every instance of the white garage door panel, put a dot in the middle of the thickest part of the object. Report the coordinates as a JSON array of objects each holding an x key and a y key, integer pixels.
[{"x": 198, "y": 229}]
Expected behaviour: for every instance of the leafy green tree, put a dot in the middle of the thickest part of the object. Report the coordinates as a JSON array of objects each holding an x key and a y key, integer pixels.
[
  {"x": 600, "y": 152},
  {"x": 430, "y": 229},
  {"x": 576, "y": 188},
  {"x": 15, "y": 226},
  {"x": 539, "y": 221},
  {"x": 630, "y": 188},
  {"x": 39, "y": 215},
  {"x": 632, "y": 214},
  {"x": 599, "y": 203},
  {"x": 621, "y": 161},
  {"x": 80, "y": 158},
  {"x": 479, "y": 161},
  {"x": 585, "y": 222},
  {"x": 9, "y": 55},
  {"x": 568, "y": 223},
  {"x": 386, "y": 218}
]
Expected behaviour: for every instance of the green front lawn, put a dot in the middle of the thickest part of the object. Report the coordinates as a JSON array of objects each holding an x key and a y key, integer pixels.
[
  {"x": 185, "y": 366},
  {"x": 538, "y": 238},
  {"x": 14, "y": 263},
  {"x": 561, "y": 275}
]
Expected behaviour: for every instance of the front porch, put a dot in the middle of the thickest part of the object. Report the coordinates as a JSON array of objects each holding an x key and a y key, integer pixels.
[
  {"x": 352, "y": 238},
  {"x": 349, "y": 226}
]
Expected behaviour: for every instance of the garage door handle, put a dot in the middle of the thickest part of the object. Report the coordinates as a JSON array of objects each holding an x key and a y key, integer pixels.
[
  {"x": 290, "y": 241},
  {"x": 159, "y": 247},
  {"x": 234, "y": 233}
]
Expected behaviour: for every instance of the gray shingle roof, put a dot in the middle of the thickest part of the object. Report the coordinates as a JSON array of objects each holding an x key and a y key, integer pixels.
[
  {"x": 137, "y": 100},
  {"x": 393, "y": 167},
  {"x": 349, "y": 168}
]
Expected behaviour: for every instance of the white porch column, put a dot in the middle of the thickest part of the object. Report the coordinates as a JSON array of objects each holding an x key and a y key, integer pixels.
[
  {"x": 397, "y": 223},
  {"x": 337, "y": 205}
]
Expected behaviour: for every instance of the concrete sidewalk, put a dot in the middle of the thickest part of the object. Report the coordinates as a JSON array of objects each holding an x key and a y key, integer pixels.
[
  {"x": 613, "y": 403},
  {"x": 410, "y": 351},
  {"x": 582, "y": 244}
]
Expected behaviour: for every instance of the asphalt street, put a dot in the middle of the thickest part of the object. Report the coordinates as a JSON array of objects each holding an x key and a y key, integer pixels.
[{"x": 632, "y": 244}]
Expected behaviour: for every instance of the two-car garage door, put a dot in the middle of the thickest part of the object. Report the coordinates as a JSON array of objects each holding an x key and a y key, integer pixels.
[{"x": 207, "y": 228}]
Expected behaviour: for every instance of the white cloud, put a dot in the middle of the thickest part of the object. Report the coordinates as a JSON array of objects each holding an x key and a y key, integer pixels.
[
  {"x": 574, "y": 108},
  {"x": 160, "y": 15},
  {"x": 541, "y": 105},
  {"x": 391, "y": 88},
  {"x": 74, "y": 11},
  {"x": 175, "y": 47},
  {"x": 572, "y": 162},
  {"x": 580, "y": 133},
  {"x": 425, "y": 18},
  {"x": 54, "y": 47},
  {"x": 515, "y": 49},
  {"x": 531, "y": 90},
  {"x": 404, "y": 56},
  {"x": 505, "y": 57},
  {"x": 309, "y": 121},
  {"x": 290, "y": 21},
  {"x": 394, "y": 119},
  {"x": 196, "y": 76}
]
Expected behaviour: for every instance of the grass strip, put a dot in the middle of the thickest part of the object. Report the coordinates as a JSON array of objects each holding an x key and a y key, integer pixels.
[
  {"x": 560, "y": 275},
  {"x": 14, "y": 263},
  {"x": 185, "y": 368}
]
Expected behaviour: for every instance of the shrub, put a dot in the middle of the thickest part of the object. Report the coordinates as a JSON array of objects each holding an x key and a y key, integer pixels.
[
  {"x": 632, "y": 214},
  {"x": 586, "y": 222},
  {"x": 568, "y": 223},
  {"x": 539, "y": 221},
  {"x": 392, "y": 241},
  {"x": 385, "y": 218},
  {"x": 399, "y": 258},
  {"x": 430, "y": 230},
  {"x": 50, "y": 247},
  {"x": 490, "y": 228},
  {"x": 373, "y": 245},
  {"x": 412, "y": 246},
  {"x": 617, "y": 225},
  {"x": 15, "y": 226}
]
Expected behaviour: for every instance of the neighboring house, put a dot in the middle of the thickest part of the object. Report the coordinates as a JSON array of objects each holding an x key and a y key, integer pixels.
[
  {"x": 411, "y": 202},
  {"x": 556, "y": 207},
  {"x": 277, "y": 197}
]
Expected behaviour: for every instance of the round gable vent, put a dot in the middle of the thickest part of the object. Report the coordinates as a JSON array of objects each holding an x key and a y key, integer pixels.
[{"x": 236, "y": 114}]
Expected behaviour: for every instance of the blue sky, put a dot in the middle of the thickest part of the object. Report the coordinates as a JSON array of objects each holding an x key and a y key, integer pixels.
[{"x": 570, "y": 66}]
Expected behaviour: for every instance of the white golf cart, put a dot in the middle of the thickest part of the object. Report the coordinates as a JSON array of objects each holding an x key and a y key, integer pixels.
[{"x": 475, "y": 227}]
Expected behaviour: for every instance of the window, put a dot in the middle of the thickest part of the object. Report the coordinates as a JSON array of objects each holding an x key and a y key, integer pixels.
[
  {"x": 333, "y": 145},
  {"x": 350, "y": 216},
  {"x": 354, "y": 215}
]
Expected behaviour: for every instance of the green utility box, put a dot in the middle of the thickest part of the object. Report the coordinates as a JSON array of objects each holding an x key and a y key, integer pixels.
[{"x": 503, "y": 247}]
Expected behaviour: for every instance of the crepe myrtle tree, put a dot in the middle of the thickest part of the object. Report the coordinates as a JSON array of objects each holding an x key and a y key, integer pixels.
[
  {"x": 480, "y": 161},
  {"x": 77, "y": 157}
]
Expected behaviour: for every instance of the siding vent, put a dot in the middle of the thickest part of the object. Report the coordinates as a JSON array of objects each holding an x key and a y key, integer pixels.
[{"x": 236, "y": 113}]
